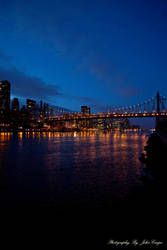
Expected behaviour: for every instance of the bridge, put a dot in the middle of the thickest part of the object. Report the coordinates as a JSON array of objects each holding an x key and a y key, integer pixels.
[{"x": 154, "y": 107}]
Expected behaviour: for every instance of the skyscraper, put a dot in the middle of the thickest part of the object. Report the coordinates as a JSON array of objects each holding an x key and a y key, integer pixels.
[
  {"x": 15, "y": 104},
  {"x": 31, "y": 104},
  {"x": 31, "y": 108},
  {"x": 85, "y": 110},
  {"x": 4, "y": 98}
]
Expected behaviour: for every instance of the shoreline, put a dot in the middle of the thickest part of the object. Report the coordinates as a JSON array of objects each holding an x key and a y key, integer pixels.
[{"x": 73, "y": 131}]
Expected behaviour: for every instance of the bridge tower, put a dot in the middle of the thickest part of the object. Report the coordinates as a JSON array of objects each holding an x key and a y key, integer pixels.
[
  {"x": 158, "y": 102},
  {"x": 158, "y": 108}
]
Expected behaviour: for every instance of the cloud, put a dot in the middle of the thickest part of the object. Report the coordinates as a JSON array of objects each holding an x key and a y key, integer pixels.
[
  {"x": 24, "y": 85},
  {"x": 77, "y": 30},
  {"x": 107, "y": 74},
  {"x": 128, "y": 92},
  {"x": 28, "y": 86}
]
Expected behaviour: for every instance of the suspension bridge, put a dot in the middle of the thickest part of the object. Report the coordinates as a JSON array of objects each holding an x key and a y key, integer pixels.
[{"x": 153, "y": 107}]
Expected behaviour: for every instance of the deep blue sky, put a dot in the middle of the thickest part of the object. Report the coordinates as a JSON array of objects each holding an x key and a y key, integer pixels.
[{"x": 84, "y": 52}]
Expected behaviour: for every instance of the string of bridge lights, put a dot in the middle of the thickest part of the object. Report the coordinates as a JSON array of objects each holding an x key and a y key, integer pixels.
[
  {"x": 141, "y": 107},
  {"x": 148, "y": 106}
]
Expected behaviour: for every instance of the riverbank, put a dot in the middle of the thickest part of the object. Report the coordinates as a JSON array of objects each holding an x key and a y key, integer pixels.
[{"x": 72, "y": 130}]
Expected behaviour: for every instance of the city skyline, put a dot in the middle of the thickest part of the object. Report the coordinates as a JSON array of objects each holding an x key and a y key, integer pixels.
[
  {"x": 78, "y": 53},
  {"x": 42, "y": 115},
  {"x": 13, "y": 104}
]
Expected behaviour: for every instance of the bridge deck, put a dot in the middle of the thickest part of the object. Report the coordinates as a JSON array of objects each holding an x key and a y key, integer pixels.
[{"x": 105, "y": 115}]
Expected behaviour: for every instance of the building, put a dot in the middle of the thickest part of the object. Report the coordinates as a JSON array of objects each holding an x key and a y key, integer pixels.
[
  {"x": 41, "y": 105},
  {"x": 46, "y": 109},
  {"x": 15, "y": 105},
  {"x": 31, "y": 104},
  {"x": 4, "y": 98},
  {"x": 31, "y": 108},
  {"x": 24, "y": 117},
  {"x": 121, "y": 123},
  {"x": 85, "y": 110}
]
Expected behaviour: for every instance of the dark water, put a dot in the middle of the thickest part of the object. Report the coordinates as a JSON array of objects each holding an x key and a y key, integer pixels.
[
  {"x": 63, "y": 169},
  {"x": 83, "y": 184}
]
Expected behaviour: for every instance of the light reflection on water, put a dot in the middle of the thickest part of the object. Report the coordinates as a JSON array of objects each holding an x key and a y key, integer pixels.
[{"x": 70, "y": 167}]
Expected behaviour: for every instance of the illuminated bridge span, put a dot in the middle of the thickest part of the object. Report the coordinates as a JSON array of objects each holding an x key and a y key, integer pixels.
[{"x": 154, "y": 107}]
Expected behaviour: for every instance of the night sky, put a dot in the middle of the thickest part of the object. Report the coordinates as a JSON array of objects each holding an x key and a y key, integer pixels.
[{"x": 84, "y": 52}]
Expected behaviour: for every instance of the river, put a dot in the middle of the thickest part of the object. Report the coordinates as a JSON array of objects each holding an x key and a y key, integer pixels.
[{"x": 63, "y": 169}]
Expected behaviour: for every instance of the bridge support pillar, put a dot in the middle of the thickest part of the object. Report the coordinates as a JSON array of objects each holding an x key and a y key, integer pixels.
[{"x": 158, "y": 109}]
